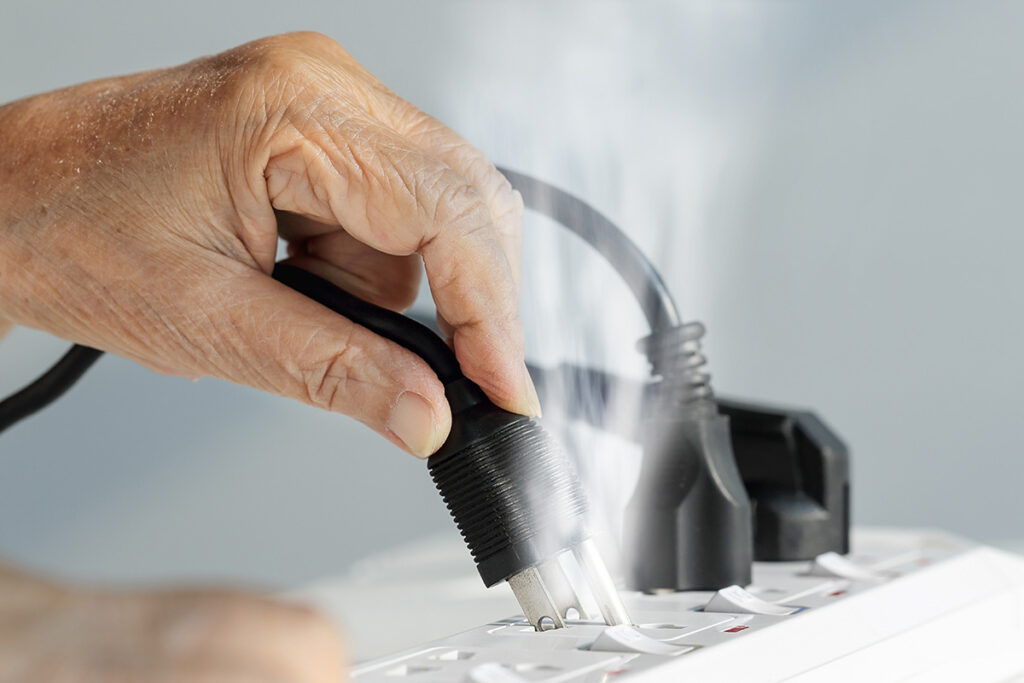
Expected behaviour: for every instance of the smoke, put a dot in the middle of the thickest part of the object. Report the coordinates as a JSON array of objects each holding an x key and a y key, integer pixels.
[
  {"x": 593, "y": 117},
  {"x": 628, "y": 106}
]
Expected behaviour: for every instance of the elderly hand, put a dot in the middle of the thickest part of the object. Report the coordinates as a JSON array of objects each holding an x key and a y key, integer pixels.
[
  {"x": 55, "y": 633},
  {"x": 141, "y": 214}
]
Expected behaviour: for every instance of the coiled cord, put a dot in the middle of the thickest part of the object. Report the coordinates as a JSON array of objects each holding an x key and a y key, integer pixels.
[
  {"x": 673, "y": 348},
  {"x": 675, "y": 355}
]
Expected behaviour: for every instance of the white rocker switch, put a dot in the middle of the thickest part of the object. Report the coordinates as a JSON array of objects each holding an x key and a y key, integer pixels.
[
  {"x": 736, "y": 600},
  {"x": 834, "y": 565},
  {"x": 492, "y": 672},
  {"x": 626, "y": 638}
]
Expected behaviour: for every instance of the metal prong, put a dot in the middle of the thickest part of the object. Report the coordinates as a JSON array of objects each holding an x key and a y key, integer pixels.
[
  {"x": 560, "y": 588},
  {"x": 538, "y": 598},
  {"x": 601, "y": 584}
]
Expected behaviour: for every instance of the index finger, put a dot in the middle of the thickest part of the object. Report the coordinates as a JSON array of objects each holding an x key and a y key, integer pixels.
[
  {"x": 392, "y": 195},
  {"x": 476, "y": 294},
  {"x": 505, "y": 203}
]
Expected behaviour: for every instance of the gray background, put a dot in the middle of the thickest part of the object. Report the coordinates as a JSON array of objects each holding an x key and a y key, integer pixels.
[{"x": 834, "y": 188}]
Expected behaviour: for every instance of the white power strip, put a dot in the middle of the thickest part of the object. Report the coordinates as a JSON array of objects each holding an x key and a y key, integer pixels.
[{"x": 903, "y": 605}]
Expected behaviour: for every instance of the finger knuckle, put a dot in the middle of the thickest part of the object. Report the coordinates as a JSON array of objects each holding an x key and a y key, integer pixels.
[
  {"x": 288, "y": 56},
  {"x": 508, "y": 209},
  {"x": 256, "y": 70},
  {"x": 303, "y": 57},
  {"x": 307, "y": 43},
  {"x": 282, "y": 62},
  {"x": 325, "y": 379},
  {"x": 312, "y": 40},
  {"x": 453, "y": 203},
  {"x": 412, "y": 120}
]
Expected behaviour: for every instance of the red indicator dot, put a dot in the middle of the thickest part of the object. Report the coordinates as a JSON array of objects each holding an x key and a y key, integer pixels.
[
  {"x": 735, "y": 629},
  {"x": 616, "y": 672},
  {"x": 836, "y": 594}
]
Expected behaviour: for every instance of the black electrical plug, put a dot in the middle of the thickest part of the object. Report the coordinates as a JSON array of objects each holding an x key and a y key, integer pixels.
[
  {"x": 688, "y": 525},
  {"x": 512, "y": 491}
]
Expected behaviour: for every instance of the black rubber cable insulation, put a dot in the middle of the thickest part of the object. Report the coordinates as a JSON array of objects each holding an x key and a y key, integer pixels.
[
  {"x": 50, "y": 386},
  {"x": 608, "y": 240},
  {"x": 395, "y": 327},
  {"x": 594, "y": 228}
]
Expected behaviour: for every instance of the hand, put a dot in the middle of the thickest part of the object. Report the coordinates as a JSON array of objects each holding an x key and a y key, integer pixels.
[
  {"x": 51, "y": 633},
  {"x": 140, "y": 215}
]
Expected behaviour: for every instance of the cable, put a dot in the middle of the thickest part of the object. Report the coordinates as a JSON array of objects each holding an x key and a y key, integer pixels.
[
  {"x": 595, "y": 229},
  {"x": 49, "y": 387},
  {"x": 400, "y": 329},
  {"x": 397, "y": 328},
  {"x": 608, "y": 240}
]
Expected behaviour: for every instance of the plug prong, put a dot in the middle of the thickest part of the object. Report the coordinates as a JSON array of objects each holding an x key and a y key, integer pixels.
[
  {"x": 601, "y": 585},
  {"x": 560, "y": 588},
  {"x": 536, "y": 598}
]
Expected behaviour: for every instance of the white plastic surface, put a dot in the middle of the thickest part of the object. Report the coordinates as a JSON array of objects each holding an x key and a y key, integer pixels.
[
  {"x": 736, "y": 600},
  {"x": 835, "y": 565},
  {"x": 930, "y": 607}
]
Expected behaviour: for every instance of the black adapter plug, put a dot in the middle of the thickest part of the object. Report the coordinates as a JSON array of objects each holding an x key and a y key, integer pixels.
[{"x": 688, "y": 525}]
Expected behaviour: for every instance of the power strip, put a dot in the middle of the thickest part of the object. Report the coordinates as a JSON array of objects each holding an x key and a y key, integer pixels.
[{"x": 901, "y": 605}]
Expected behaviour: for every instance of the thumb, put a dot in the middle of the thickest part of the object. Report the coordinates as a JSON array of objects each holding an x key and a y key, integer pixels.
[{"x": 288, "y": 344}]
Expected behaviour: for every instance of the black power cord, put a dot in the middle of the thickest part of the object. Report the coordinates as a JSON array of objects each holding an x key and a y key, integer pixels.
[
  {"x": 50, "y": 386},
  {"x": 573, "y": 213},
  {"x": 398, "y": 328},
  {"x": 514, "y": 494},
  {"x": 608, "y": 240}
]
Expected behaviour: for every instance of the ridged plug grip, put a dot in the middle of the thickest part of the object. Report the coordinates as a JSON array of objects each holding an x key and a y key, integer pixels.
[{"x": 510, "y": 488}]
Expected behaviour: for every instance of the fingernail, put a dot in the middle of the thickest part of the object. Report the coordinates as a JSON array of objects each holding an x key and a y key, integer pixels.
[
  {"x": 412, "y": 421},
  {"x": 532, "y": 400}
]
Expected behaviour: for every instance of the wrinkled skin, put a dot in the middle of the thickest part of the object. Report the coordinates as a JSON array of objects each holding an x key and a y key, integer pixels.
[
  {"x": 138, "y": 216},
  {"x": 141, "y": 214}
]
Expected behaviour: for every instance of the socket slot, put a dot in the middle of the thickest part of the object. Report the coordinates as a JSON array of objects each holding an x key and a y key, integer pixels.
[{"x": 511, "y": 651}]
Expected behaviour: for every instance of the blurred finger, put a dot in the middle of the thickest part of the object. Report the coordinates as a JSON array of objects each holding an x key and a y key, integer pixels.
[{"x": 240, "y": 633}]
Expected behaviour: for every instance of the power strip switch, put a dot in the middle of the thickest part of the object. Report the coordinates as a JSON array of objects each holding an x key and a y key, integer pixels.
[{"x": 902, "y": 605}]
